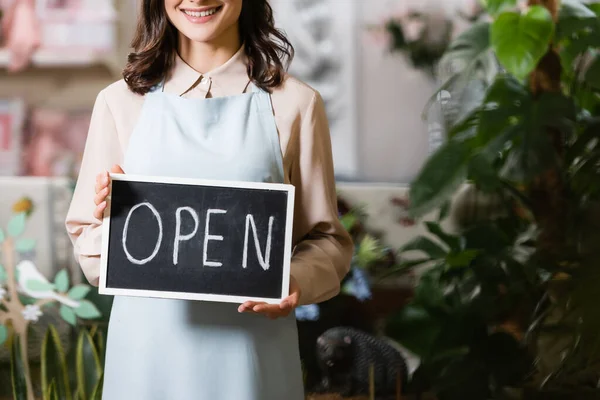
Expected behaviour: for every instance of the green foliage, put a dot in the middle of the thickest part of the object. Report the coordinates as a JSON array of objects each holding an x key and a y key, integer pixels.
[
  {"x": 491, "y": 292},
  {"x": 17, "y": 370},
  {"x": 25, "y": 245},
  {"x": 87, "y": 310},
  {"x": 54, "y": 373},
  {"x": 87, "y": 367}
]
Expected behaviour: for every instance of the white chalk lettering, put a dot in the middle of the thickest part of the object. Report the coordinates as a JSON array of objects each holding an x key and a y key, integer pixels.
[
  {"x": 263, "y": 260},
  {"x": 208, "y": 237},
  {"x": 158, "y": 241},
  {"x": 178, "y": 236}
]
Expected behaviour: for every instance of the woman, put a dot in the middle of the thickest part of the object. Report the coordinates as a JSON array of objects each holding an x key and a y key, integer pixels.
[{"x": 207, "y": 76}]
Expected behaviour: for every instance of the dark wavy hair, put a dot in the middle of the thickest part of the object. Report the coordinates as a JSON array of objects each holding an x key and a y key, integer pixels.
[{"x": 155, "y": 44}]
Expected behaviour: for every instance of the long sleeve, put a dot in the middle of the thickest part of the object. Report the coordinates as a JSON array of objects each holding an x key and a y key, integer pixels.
[
  {"x": 102, "y": 151},
  {"x": 324, "y": 249}
]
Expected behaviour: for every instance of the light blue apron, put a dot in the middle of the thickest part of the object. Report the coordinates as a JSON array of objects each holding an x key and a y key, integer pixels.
[{"x": 162, "y": 349}]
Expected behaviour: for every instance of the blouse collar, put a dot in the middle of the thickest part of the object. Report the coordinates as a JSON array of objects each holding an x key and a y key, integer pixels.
[{"x": 230, "y": 78}]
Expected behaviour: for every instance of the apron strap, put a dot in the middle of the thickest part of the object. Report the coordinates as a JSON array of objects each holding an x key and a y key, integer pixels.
[{"x": 264, "y": 103}]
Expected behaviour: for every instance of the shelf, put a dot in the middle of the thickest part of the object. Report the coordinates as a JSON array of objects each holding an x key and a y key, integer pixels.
[{"x": 46, "y": 59}]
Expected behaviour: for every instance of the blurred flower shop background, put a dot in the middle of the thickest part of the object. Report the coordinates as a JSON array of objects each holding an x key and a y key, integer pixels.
[{"x": 464, "y": 136}]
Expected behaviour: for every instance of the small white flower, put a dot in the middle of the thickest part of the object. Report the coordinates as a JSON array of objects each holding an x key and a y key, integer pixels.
[
  {"x": 32, "y": 313},
  {"x": 2, "y": 292}
]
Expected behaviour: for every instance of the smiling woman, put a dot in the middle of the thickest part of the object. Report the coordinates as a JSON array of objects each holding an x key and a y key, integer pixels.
[{"x": 206, "y": 95}]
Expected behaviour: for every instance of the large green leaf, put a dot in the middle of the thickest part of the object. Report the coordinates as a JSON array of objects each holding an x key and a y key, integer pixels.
[
  {"x": 89, "y": 368},
  {"x": 520, "y": 40},
  {"x": 17, "y": 370},
  {"x": 16, "y": 225},
  {"x": 494, "y": 7},
  {"x": 54, "y": 365},
  {"x": 424, "y": 245},
  {"x": 439, "y": 178}
]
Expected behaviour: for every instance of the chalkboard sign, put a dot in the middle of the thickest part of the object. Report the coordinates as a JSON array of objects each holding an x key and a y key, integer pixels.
[{"x": 197, "y": 240}]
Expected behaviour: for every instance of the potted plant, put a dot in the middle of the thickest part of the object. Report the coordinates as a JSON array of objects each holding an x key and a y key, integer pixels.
[{"x": 507, "y": 303}]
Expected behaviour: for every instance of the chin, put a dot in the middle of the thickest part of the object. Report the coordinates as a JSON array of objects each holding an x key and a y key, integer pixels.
[{"x": 204, "y": 21}]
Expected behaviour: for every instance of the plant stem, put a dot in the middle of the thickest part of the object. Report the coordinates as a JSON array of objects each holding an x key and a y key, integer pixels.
[{"x": 15, "y": 308}]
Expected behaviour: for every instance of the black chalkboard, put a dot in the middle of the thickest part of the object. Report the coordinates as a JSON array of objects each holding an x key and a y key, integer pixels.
[{"x": 197, "y": 240}]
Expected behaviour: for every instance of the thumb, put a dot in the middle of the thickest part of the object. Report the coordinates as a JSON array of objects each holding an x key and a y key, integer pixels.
[{"x": 116, "y": 169}]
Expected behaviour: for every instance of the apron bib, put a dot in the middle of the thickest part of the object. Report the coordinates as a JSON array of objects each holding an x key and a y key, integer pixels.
[{"x": 162, "y": 349}]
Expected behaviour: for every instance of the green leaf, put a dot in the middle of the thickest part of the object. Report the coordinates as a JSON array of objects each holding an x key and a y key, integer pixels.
[
  {"x": 592, "y": 75},
  {"x": 51, "y": 393},
  {"x": 520, "y": 40},
  {"x": 494, "y": 7},
  {"x": 54, "y": 365},
  {"x": 1, "y": 236},
  {"x": 16, "y": 225},
  {"x": 38, "y": 286},
  {"x": 89, "y": 369},
  {"x": 61, "y": 280},
  {"x": 482, "y": 172},
  {"x": 424, "y": 245},
  {"x": 25, "y": 245},
  {"x": 444, "y": 211},
  {"x": 97, "y": 393},
  {"x": 439, "y": 178},
  {"x": 369, "y": 251},
  {"x": 3, "y": 334},
  {"x": 87, "y": 310},
  {"x": 68, "y": 315},
  {"x": 3, "y": 274},
  {"x": 452, "y": 241},
  {"x": 462, "y": 259},
  {"x": 573, "y": 17},
  {"x": 17, "y": 370},
  {"x": 79, "y": 292},
  {"x": 348, "y": 220}
]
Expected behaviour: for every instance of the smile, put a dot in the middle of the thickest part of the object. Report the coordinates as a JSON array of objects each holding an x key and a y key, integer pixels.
[{"x": 201, "y": 15}]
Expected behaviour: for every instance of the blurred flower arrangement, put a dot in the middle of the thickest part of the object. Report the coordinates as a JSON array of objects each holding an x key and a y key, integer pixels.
[
  {"x": 25, "y": 294},
  {"x": 423, "y": 31}
]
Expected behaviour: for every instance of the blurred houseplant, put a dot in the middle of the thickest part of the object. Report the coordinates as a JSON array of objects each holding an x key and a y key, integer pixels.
[
  {"x": 509, "y": 301},
  {"x": 25, "y": 297}
]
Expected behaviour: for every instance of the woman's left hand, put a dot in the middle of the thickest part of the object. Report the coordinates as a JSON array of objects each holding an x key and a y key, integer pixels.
[{"x": 275, "y": 311}]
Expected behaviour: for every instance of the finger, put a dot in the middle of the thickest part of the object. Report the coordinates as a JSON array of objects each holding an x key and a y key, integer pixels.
[
  {"x": 102, "y": 181},
  {"x": 247, "y": 306},
  {"x": 99, "y": 211},
  {"x": 101, "y": 196},
  {"x": 116, "y": 169}
]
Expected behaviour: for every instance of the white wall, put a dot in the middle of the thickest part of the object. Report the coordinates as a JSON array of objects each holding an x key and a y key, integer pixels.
[{"x": 390, "y": 139}]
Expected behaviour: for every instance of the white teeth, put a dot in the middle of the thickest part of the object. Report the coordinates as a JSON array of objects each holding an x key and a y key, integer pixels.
[{"x": 199, "y": 14}]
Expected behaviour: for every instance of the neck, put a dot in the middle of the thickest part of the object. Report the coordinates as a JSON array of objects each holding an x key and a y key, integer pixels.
[{"x": 206, "y": 56}]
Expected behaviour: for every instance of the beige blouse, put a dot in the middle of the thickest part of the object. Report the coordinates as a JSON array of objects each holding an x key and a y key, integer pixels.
[{"x": 323, "y": 249}]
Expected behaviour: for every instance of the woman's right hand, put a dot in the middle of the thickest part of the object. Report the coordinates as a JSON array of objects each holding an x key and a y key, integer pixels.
[{"x": 102, "y": 190}]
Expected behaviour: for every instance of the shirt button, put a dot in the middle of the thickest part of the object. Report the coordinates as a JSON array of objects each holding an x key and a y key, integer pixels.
[{"x": 204, "y": 80}]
